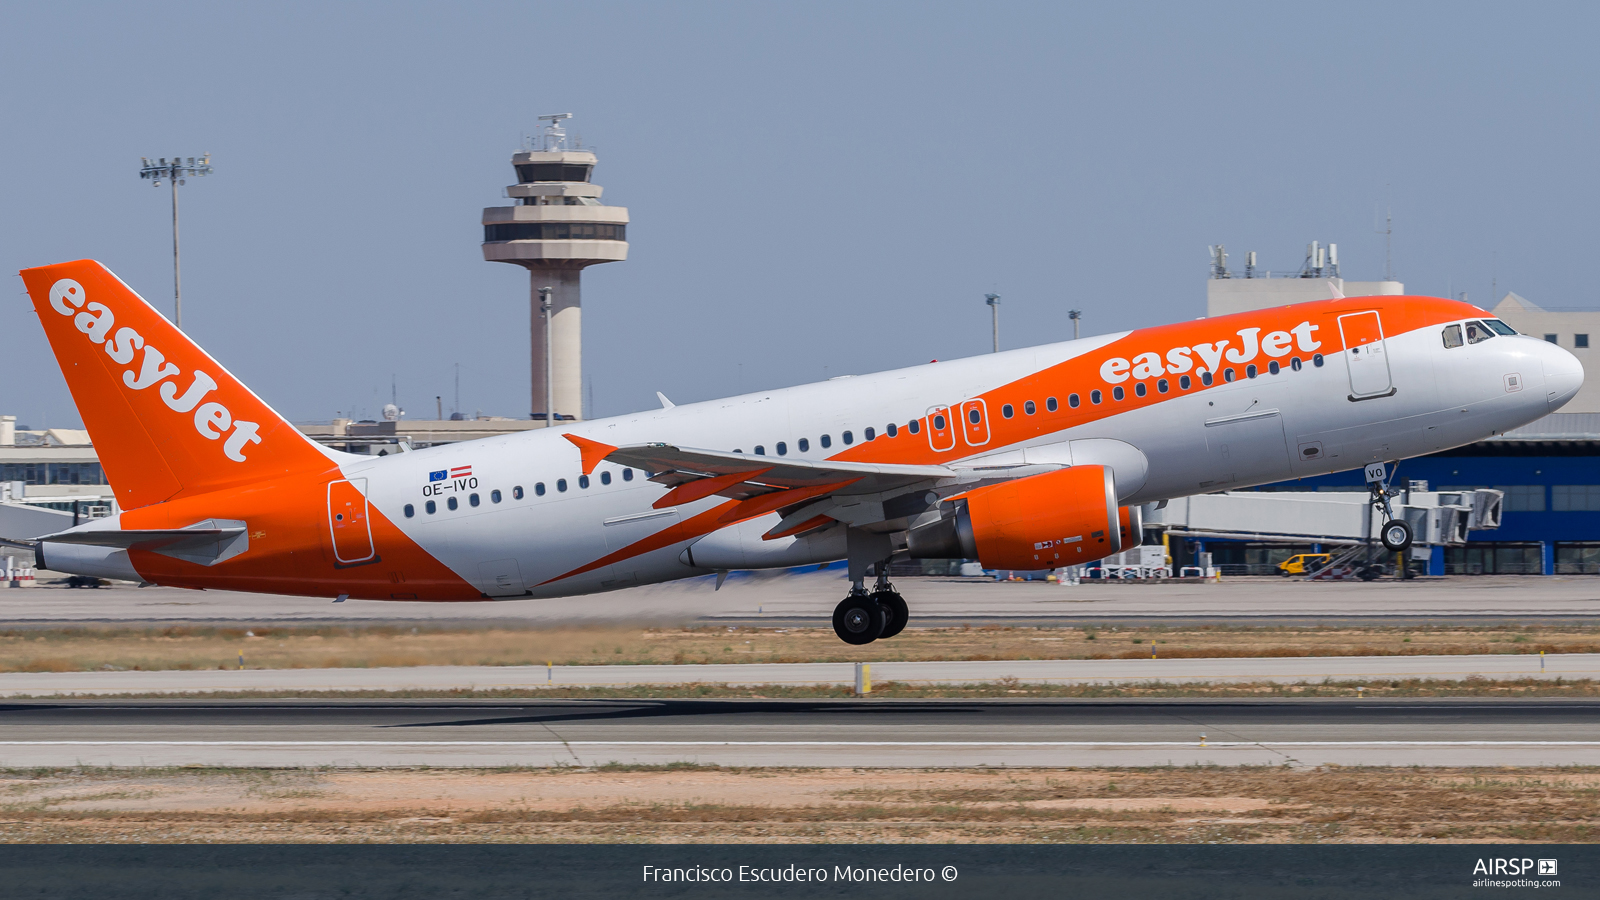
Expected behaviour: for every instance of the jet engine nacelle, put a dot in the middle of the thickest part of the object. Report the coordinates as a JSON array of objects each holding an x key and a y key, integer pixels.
[{"x": 1063, "y": 518}]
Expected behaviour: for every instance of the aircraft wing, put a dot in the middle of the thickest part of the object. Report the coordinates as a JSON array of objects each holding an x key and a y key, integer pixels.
[
  {"x": 809, "y": 493},
  {"x": 749, "y": 476}
]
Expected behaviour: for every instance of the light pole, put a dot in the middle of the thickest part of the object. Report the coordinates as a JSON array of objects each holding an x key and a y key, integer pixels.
[
  {"x": 1075, "y": 315},
  {"x": 549, "y": 362},
  {"x": 175, "y": 172},
  {"x": 994, "y": 308}
]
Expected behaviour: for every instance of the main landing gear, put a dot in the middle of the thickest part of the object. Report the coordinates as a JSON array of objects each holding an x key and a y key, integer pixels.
[{"x": 863, "y": 617}]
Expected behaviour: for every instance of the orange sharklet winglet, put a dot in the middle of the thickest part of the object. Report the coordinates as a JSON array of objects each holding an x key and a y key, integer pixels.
[
  {"x": 807, "y": 525},
  {"x": 594, "y": 452},
  {"x": 700, "y": 488}
]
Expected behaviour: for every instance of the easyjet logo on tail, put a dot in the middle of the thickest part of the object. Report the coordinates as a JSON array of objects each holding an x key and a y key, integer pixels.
[
  {"x": 1178, "y": 359},
  {"x": 211, "y": 419}
]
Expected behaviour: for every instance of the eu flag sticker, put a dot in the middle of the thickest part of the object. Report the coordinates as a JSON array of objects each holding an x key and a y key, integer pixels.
[{"x": 438, "y": 476}]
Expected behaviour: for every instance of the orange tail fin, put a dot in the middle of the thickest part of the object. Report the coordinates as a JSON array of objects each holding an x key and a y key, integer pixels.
[{"x": 166, "y": 419}]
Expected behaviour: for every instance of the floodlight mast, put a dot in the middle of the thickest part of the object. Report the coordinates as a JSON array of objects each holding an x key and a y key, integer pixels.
[
  {"x": 175, "y": 172},
  {"x": 994, "y": 307}
]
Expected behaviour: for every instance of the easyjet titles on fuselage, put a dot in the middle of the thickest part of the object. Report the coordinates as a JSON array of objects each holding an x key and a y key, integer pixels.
[{"x": 1178, "y": 360}]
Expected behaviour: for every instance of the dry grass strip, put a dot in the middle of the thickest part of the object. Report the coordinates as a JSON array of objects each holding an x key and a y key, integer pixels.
[
  {"x": 684, "y": 803},
  {"x": 361, "y": 646}
]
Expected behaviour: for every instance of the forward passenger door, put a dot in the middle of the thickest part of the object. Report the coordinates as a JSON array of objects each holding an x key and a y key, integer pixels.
[{"x": 1365, "y": 355}]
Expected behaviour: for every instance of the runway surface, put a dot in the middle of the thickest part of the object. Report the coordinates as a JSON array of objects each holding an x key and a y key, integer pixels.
[
  {"x": 1289, "y": 670},
  {"x": 809, "y": 598},
  {"x": 856, "y": 732}
]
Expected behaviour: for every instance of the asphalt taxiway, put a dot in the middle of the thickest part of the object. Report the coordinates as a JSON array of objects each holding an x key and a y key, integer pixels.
[
  {"x": 861, "y": 732},
  {"x": 1352, "y": 670},
  {"x": 808, "y": 599}
]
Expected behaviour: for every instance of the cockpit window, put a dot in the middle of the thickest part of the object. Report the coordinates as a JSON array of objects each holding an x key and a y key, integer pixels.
[
  {"x": 1477, "y": 333},
  {"x": 1452, "y": 336},
  {"x": 1500, "y": 326}
]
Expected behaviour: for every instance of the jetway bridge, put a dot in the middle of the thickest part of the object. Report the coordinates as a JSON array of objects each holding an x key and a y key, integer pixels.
[{"x": 1335, "y": 519}]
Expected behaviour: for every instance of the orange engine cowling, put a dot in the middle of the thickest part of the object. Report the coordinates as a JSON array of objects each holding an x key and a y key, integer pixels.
[
  {"x": 1130, "y": 524},
  {"x": 1061, "y": 518}
]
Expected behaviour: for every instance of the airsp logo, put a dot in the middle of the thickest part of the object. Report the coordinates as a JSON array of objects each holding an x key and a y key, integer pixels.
[{"x": 1503, "y": 866}]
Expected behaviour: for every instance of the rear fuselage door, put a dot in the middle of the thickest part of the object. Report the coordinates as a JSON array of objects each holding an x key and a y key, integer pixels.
[
  {"x": 1365, "y": 354},
  {"x": 347, "y": 520}
]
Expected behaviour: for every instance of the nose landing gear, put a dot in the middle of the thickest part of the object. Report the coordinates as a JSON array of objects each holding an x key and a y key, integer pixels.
[
  {"x": 862, "y": 617},
  {"x": 1395, "y": 533}
]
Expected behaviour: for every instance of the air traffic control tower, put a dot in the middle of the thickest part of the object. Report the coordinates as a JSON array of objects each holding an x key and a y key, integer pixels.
[{"x": 556, "y": 229}]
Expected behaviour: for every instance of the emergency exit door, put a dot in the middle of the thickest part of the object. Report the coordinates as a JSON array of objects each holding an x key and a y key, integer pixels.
[
  {"x": 975, "y": 423},
  {"x": 348, "y": 522},
  {"x": 941, "y": 431},
  {"x": 1365, "y": 355}
]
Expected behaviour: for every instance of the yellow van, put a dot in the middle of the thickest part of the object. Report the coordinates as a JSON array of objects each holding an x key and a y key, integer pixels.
[{"x": 1303, "y": 563}]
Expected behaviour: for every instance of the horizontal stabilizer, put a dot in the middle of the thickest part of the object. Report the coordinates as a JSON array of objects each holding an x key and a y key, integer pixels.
[
  {"x": 147, "y": 539},
  {"x": 206, "y": 543}
]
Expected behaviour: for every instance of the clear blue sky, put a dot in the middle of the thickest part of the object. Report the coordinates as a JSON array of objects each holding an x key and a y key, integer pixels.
[{"x": 816, "y": 188}]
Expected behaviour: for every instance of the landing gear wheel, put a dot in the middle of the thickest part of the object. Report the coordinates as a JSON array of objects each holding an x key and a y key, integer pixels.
[
  {"x": 858, "y": 619},
  {"x": 1396, "y": 535},
  {"x": 895, "y": 611}
]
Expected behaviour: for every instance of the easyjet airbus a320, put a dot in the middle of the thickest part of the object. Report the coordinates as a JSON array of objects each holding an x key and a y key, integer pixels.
[{"x": 1027, "y": 459}]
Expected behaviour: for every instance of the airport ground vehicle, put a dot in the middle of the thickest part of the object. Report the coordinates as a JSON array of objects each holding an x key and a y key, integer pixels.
[
  {"x": 1027, "y": 459},
  {"x": 1302, "y": 563}
]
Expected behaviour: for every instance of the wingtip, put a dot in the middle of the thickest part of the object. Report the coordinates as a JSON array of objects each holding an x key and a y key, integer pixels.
[{"x": 594, "y": 452}]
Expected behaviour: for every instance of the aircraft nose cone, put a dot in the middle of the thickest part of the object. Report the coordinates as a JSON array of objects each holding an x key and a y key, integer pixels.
[{"x": 1563, "y": 376}]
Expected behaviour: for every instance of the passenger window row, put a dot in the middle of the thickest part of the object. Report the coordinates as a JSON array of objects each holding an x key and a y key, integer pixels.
[
  {"x": 803, "y": 445},
  {"x": 1163, "y": 385},
  {"x": 431, "y": 506},
  {"x": 1140, "y": 389}
]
